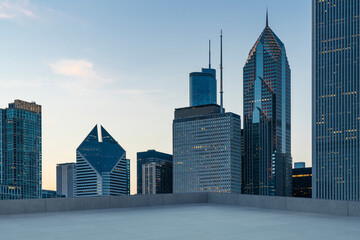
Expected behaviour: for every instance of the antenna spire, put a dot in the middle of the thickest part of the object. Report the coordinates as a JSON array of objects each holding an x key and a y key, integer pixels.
[
  {"x": 267, "y": 17},
  {"x": 209, "y": 53},
  {"x": 221, "y": 76}
]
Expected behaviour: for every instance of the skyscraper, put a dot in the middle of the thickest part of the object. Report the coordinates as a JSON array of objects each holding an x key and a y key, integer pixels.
[
  {"x": 101, "y": 166},
  {"x": 65, "y": 176},
  {"x": 267, "y": 125},
  {"x": 207, "y": 150},
  {"x": 203, "y": 86},
  {"x": 153, "y": 163},
  {"x": 336, "y": 99},
  {"x": 20, "y": 150}
]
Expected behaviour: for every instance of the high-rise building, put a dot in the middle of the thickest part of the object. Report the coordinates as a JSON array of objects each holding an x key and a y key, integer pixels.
[
  {"x": 101, "y": 166},
  {"x": 147, "y": 163},
  {"x": 267, "y": 161},
  {"x": 203, "y": 86},
  {"x": 207, "y": 150},
  {"x": 20, "y": 150},
  {"x": 65, "y": 175},
  {"x": 336, "y": 99},
  {"x": 156, "y": 178},
  {"x": 302, "y": 182}
]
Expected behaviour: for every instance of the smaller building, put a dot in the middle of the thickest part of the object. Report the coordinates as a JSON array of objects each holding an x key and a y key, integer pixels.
[
  {"x": 302, "y": 181},
  {"x": 157, "y": 178},
  {"x": 299, "y": 165},
  {"x": 154, "y": 172},
  {"x": 65, "y": 174},
  {"x": 51, "y": 194}
]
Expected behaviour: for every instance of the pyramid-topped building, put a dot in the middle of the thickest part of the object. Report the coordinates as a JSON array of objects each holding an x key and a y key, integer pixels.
[
  {"x": 101, "y": 166},
  {"x": 267, "y": 118}
]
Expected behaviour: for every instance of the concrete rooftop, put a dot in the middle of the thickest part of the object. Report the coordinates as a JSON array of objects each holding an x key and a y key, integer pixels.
[{"x": 191, "y": 221}]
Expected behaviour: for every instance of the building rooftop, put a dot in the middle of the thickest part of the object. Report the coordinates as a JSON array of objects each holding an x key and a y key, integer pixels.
[{"x": 192, "y": 221}]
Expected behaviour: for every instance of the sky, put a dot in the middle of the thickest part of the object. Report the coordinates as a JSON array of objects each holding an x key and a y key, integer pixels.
[{"x": 126, "y": 64}]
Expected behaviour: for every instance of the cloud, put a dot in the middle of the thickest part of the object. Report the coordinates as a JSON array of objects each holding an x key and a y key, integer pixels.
[
  {"x": 12, "y": 9},
  {"x": 74, "y": 68},
  {"x": 81, "y": 77}
]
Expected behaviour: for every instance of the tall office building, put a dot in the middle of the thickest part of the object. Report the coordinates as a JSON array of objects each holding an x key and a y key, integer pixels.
[
  {"x": 147, "y": 163},
  {"x": 207, "y": 150},
  {"x": 336, "y": 99},
  {"x": 101, "y": 166},
  {"x": 203, "y": 86},
  {"x": 20, "y": 150},
  {"x": 267, "y": 161},
  {"x": 65, "y": 176}
]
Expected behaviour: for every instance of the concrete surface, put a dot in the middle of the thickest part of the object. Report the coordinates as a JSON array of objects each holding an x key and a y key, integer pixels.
[{"x": 192, "y": 221}]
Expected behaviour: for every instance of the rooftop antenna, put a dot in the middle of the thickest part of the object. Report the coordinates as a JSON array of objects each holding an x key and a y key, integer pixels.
[
  {"x": 267, "y": 17},
  {"x": 209, "y": 53},
  {"x": 221, "y": 76}
]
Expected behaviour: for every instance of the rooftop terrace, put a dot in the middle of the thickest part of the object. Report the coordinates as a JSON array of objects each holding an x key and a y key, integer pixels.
[{"x": 179, "y": 216}]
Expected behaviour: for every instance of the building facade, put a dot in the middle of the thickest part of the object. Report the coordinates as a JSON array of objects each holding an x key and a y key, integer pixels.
[
  {"x": 302, "y": 182},
  {"x": 203, "y": 87},
  {"x": 65, "y": 177},
  {"x": 207, "y": 150},
  {"x": 267, "y": 118},
  {"x": 147, "y": 163},
  {"x": 101, "y": 166},
  {"x": 336, "y": 99},
  {"x": 20, "y": 150}
]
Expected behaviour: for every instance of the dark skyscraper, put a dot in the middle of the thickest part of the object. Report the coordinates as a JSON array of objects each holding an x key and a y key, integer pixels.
[
  {"x": 203, "y": 86},
  {"x": 336, "y": 99},
  {"x": 267, "y": 126},
  {"x": 20, "y": 152},
  {"x": 151, "y": 162}
]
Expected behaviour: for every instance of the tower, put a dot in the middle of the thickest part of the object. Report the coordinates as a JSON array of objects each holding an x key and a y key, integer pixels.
[
  {"x": 336, "y": 99},
  {"x": 203, "y": 85},
  {"x": 267, "y": 125}
]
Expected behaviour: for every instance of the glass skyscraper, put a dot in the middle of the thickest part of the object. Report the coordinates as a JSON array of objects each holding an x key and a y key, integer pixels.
[
  {"x": 267, "y": 160},
  {"x": 101, "y": 166},
  {"x": 207, "y": 150},
  {"x": 20, "y": 150},
  {"x": 336, "y": 99},
  {"x": 203, "y": 87}
]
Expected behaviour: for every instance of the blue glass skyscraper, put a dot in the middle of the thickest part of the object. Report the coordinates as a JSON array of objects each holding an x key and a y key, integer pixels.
[
  {"x": 20, "y": 150},
  {"x": 203, "y": 86},
  {"x": 336, "y": 99},
  {"x": 267, "y": 161},
  {"x": 101, "y": 166}
]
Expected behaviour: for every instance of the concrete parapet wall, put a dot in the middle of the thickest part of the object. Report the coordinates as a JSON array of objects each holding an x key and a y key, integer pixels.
[
  {"x": 345, "y": 208},
  {"x": 334, "y": 207}
]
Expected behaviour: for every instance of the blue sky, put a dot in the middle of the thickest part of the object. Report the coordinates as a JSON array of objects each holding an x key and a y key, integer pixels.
[{"x": 125, "y": 65}]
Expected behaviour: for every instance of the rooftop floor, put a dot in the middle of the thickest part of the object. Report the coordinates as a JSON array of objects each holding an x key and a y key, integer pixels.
[{"x": 194, "y": 221}]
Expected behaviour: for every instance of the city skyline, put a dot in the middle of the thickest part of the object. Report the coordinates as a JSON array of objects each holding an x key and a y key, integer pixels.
[{"x": 84, "y": 68}]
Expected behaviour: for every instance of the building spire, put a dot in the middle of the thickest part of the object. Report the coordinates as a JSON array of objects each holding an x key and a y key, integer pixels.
[
  {"x": 209, "y": 53},
  {"x": 221, "y": 76},
  {"x": 267, "y": 17}
]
